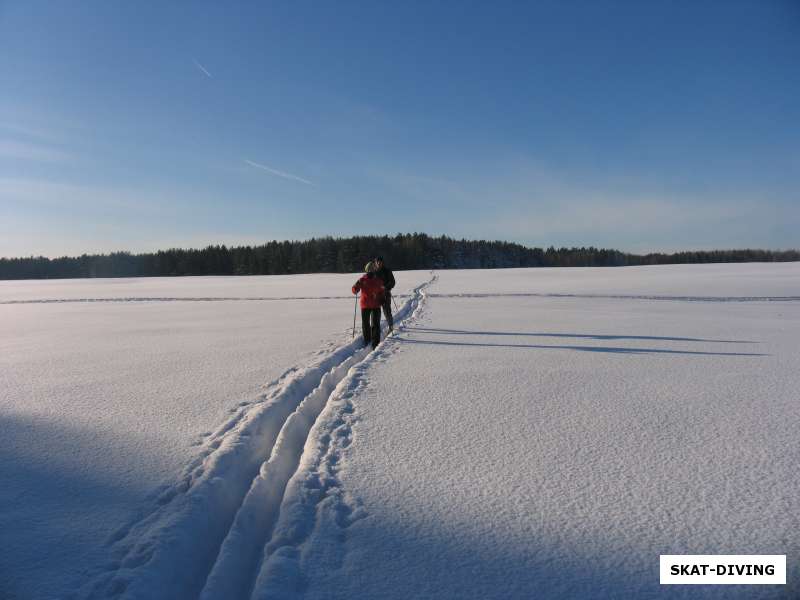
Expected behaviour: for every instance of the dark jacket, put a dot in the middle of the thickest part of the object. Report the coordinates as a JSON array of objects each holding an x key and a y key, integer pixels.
[
  {"x": 371, "y": 288},
  {"x": 386, "y": 276}
]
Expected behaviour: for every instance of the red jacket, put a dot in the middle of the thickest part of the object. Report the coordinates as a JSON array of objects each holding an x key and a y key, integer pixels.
[{"x": 371, "y": 288}]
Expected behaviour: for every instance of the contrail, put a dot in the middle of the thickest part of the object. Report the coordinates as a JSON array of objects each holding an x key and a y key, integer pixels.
[
  {"x": 202, "y": 68},
  {"x": 279, "y": 173}
]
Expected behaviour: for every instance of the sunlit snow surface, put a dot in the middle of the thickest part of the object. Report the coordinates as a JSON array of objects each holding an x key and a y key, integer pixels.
[
  {"x": 528, "y": 433},
  {"x": 101, "y": 403}
]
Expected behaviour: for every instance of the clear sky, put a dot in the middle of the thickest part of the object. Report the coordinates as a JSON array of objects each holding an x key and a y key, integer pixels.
[{"x": 636, "y": 125}]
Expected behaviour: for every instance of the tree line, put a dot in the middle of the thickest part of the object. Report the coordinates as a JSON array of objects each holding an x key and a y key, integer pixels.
[{"x": 348, "y": 255}]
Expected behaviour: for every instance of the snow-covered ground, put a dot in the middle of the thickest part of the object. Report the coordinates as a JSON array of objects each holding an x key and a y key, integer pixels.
[
  {"x": 103, "y": 404},
  {"x": 527, "y": 433}
]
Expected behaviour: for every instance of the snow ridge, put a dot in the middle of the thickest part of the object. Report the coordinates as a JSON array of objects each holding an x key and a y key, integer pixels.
[{"x": 212, "y": 525}]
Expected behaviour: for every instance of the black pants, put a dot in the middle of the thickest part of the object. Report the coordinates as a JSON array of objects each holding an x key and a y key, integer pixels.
[
  {"x": 371, "y": 326},
  {"x": 387, "y": 309}
]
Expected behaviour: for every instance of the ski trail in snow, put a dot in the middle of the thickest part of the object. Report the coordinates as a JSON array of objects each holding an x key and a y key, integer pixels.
[
  {"x": 174, "y": 299},
  {"x": 315, "y": 482},
  {"x": 233, "y": 574},
  {"x": 624, "y": 297},
  {"x": 208, "y": 530},
  {"x": 455, "y": 295}
]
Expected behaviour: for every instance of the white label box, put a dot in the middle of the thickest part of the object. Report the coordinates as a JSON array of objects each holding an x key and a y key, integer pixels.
[{"x": 723, "y": 569}]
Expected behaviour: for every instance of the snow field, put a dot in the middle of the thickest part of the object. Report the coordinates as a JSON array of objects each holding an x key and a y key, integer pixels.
[
  {"x": 736, "y": 282},
  {"x": 258, "y": 287},
  {"x": 519, "y": 446},
  {"x": 525, "y": 432},
  {"x": 105, "y": 407},
  {"x": 170, "y": 553}
]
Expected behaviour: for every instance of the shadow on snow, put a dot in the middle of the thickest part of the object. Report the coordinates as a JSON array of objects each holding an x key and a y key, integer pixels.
[
  {"x": 58, "y": 502},
  {"x": 577, "y": 335},
  {"x": 608, "y": 349}
]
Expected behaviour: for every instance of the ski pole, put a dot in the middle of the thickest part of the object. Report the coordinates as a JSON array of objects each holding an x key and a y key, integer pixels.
[
  {"x": 355, "y": 306},
  {"x": 395, "y": 304}
]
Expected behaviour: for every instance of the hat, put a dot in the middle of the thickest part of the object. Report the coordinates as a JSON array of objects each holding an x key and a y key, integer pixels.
[{"x": 370, "y": 267}]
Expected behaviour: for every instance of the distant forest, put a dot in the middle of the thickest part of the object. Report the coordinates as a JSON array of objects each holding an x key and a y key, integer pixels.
[{"x": 348, "y": 255}]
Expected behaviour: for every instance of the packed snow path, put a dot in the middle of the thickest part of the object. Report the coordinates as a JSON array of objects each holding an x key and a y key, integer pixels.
[{"x": 207, "y": 533}]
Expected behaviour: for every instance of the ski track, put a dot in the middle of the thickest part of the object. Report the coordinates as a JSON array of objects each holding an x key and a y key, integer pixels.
[
  {"x": 626, "y": 297},
  {"x": 178, "y": 299},
  {"x": 315, "y": 485},
  {"x": 460, "y": 295},
  {"x": 210, "y": 535}
]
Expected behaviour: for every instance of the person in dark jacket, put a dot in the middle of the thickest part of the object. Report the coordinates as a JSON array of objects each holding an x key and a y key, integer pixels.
[
  {"x": 372, "y": 292},
  {"x": 386, "y": 275}
]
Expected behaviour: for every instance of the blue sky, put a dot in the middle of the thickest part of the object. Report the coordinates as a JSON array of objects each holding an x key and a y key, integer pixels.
[{"x": 636, "y": 125}]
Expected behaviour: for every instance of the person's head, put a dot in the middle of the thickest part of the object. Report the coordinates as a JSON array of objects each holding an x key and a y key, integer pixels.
[
  {"x": 378, "y": 261},
  {"x": 370, "y": 267}
]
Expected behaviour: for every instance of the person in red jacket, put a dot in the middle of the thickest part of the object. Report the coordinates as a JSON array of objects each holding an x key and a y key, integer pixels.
[{"x": 372, "y": 294}]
